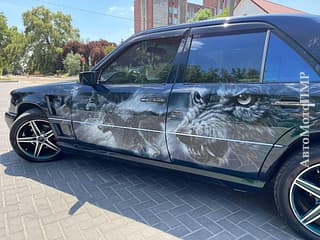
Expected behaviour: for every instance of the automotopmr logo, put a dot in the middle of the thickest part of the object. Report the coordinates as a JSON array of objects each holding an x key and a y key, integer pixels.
[{"x": 305, "y": 124}]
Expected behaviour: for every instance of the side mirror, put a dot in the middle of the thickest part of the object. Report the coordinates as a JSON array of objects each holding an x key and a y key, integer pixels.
[{"x": 88, "y": 78}]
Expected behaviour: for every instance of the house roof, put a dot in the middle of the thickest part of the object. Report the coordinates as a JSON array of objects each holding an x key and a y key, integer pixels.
[{"x": 271, "y": 7}]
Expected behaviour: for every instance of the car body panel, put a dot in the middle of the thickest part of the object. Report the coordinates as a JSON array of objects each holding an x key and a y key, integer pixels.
[{"x": 123, "y": 118}]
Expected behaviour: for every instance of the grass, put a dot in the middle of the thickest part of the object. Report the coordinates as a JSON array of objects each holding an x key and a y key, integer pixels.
[{"x": 3, "y": 78}]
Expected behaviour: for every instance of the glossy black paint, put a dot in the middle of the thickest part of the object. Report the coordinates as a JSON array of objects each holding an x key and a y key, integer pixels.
[{"x": 164, "y": 123}]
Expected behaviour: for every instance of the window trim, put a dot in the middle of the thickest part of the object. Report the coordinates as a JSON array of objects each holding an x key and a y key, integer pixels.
[{"x": 264, "y": 56}]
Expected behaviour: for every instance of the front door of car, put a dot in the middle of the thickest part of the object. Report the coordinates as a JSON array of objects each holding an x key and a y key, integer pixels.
[
  {"x": 126, "y": 111},
  {"x": 221, "y": 114}
]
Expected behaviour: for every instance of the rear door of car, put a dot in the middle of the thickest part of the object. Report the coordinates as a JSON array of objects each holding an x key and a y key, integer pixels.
[
  {"x": 221, "y": 114},
  {"x": 126, "y": 111}
]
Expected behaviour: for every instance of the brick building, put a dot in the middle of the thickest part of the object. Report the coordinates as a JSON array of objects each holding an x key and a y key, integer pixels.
[{"x": 156, "y": 13}]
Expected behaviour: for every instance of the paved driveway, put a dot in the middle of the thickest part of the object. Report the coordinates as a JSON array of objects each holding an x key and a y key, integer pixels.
[{"x": 95, "y": 198}]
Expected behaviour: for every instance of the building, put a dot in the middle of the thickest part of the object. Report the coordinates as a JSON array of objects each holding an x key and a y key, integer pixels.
[
  {"x": 254, "y": 7},
  {"x": 157, "y": 13},
  {"x": 218, "y": 6}
]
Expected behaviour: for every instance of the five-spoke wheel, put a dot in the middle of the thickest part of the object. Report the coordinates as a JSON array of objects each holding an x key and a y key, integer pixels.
[
  {"x": 32, "y": 137},
  {"x": 36, "y": 139},
  {"x": 305, "y": 198},
  {"x": 297, "y": 193}
]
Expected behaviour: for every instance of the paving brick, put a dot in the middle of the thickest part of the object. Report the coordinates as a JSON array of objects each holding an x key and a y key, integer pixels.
[
  {"x": 200, "y": 211},
  {"x": 199, "y": 234},
  {"x": 144, "y": 205},
  {"x": 254, "y": 230},
  {"x": 168, "y": 219},
  {"x": 230, "y": 227},
  {"x": 179, "y": 231},
  {"x": 180, "y": 210},
  {"x": 247, "y": 237},
  {"x": 274, "y": 231},
  {"x": 223, "y": 236},
  {"x": 150, "y": 217},
  {"x": 165, "y": 206},
  {"x": 238, "y": 216},
  {"x": 219, "y": 214},
  {"x": 189, "y": 222},
  {"x": 210, "y": 225}
]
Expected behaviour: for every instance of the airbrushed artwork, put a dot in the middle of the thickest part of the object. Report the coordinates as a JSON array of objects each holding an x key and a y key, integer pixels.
[{"x": 211, "y": 126}]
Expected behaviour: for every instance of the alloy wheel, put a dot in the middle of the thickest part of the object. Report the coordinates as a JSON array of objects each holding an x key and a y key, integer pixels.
[
  {"x": 305, "y": 198},
  {"x": 36, "y": 139}
]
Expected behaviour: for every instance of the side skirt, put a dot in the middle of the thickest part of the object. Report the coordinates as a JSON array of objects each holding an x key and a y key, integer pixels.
[{"x": 234, "y": 180}]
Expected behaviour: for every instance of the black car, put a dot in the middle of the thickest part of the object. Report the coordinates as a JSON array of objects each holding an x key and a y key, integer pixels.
[{"x": 235, "y": 99}]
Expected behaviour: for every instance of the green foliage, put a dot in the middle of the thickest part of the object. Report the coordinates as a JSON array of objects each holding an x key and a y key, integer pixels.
[
  {"x": 4, "y": 40},
  {"x": 15, "y": 51},
  {"x": 225, "y": 13},
  {"x": 195, "y": 74},
  {"x": 109, "y": 48},
  {"x": 72, "y": 63},
  {"x": 46, "y": 33},
  {"x": 202, "y": 14}
]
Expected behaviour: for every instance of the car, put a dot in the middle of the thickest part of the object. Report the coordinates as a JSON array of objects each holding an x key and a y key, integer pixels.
[{"x": 235, "y": 99}]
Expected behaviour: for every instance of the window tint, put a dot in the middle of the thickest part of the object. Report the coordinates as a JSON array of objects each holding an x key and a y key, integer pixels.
[
  {"x": 226, "y": 59},
  {"x": 284, "y": 64},
  {"x": 145, "y": 62}
]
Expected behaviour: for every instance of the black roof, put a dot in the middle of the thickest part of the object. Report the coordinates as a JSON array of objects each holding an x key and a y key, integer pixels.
[{"x": 303, "y": 28}]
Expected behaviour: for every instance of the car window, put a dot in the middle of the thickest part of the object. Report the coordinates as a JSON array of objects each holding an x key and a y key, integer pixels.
[
  {"x": 226, "y": 59},
  {"x": 283, "y": 64},
  {"x": 144, "y": 62}
]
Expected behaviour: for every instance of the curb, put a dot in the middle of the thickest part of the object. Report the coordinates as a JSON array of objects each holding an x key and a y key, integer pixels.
[{"x": 9, "y": 81}]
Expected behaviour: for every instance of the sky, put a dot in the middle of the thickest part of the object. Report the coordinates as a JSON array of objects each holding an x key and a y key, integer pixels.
[{"x": 97, "y": 21}]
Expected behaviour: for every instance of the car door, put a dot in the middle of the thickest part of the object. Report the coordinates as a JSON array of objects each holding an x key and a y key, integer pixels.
[
  {"x": 221, "y": 115},
  {"x": 126, "y": 111}
]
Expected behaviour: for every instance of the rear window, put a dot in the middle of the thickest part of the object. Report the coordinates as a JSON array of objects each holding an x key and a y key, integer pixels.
[
  {"x": 226, "y": 59},
  {"x": 284, "y": 64}
]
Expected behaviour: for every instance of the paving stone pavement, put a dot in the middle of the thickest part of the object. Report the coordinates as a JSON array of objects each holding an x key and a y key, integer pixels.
[{"x": 95, "y": 198}]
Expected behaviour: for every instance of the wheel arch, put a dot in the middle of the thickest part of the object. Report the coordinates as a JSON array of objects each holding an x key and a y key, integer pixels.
[
  {"x": 23, "y": 107},
  {"x": 272, "y": 166}
]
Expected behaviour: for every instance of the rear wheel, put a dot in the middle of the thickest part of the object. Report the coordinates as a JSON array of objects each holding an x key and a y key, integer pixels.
[
  {"x": 297, "y": 194},
  {"x": 32, "y": 138}
]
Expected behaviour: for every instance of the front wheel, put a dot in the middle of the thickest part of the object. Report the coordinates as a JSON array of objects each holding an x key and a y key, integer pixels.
[
  {"x": 297, "y": 194},
  {"x": 32, "y": 138}
]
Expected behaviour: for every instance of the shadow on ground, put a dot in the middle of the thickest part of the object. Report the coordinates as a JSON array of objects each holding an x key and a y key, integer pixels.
[{"x": 165, "y": 200}]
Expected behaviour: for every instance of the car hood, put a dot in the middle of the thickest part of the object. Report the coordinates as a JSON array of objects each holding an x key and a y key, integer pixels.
[{"x": 50, "y": 88}]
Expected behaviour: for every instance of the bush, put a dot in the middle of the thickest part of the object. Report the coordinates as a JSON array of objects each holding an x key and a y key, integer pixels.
[{"x": 72, "y": 63}]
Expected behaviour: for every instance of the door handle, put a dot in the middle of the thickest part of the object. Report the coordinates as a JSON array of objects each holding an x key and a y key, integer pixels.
[
  {"x": 153, "y": 99},
  {"x": 176, "y": 114},
  {"x": 292, "y": 104}
]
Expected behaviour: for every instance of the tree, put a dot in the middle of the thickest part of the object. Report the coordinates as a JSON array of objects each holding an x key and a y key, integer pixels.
[
  {"x": 15, "y": 50},
  {"x": 96, "y": 50},
  {"x": 72, "y": 63},
  {"x": 109, "y": 48},
  {"x": 4, "y": 40},
  {"x": 46, "y": 34},
  {"x": 225, "y": 13},
  {"x": 202, "y": 14},
  {"x": 92, "y": 51}
]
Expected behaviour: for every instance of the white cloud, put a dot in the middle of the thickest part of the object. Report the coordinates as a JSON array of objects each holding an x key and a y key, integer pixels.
[{"x": 120, "y": 11}]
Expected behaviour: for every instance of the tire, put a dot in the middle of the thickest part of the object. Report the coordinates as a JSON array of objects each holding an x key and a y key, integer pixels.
[
  {"x": 295, "y": 195},
  {"x": 32, "y": 138}
]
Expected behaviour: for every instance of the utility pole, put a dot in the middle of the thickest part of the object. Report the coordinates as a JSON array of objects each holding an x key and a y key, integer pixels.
[{"x": 231, "y": 7}]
